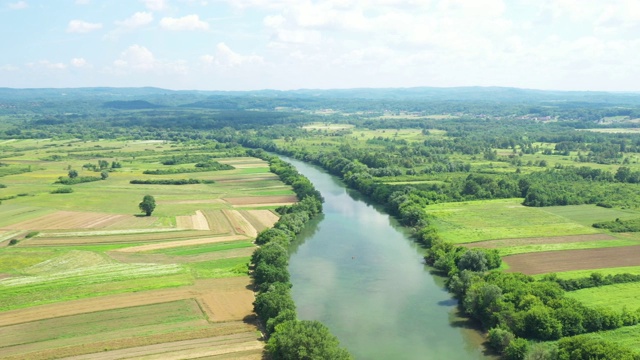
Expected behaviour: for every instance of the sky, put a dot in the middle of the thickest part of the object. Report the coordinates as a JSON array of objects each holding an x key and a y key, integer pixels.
[{"x": 320, "y": 44}]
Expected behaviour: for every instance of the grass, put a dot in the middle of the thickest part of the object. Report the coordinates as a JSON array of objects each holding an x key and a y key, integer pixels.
[
  {"x": 17, "y": 297},
  {"x": 13, "y": 260},
  {"x": 512, "y": 250},
  {"x": 615, "y": 296},
  {"x": 626, "y": 336},
  {"x": 586, "y": 273},
  {"x": 474, "y": 221},
  {"x": 220, "y": 268},
  {"x": 174, "y": 312},
  {"x": 202, "y": 249}
]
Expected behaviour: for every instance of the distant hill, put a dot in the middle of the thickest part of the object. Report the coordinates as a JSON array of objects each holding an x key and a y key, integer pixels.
[{"x": 130, "y": 105}]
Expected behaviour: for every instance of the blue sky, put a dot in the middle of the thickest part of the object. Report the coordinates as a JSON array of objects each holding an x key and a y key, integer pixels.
[{"x": 292, "y": 44}]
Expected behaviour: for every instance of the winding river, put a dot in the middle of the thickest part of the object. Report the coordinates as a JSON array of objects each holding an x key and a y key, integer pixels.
[{"x": 356, "y": 270}]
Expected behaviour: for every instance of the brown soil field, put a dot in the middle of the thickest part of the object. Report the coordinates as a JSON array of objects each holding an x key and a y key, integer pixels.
[
  {"x": 73, "y": 220},
  {"x": 194, "y": 222},
  {"x": 201, "y": 287},
  {"x": 567, "y": 260},
  {"x": 239, "y": 224},
  {"x": 491, "y": 244},
  {"x": 172, "y": 244},
  {"x": 227, "y": 306},
  {"x": 260, "y": 219},
  {"x": 133, "y": 258},
  {"x": 218, "y": 222},
  {"x": 113, "y": 239},
  {"x": 262, "y": 200}
]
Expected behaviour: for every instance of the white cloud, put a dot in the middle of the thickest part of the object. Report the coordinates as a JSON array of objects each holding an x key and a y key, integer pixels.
[
  {"x": 79, "y": 62},
  {"x": 226, "y": 57},
  {"x": 8, "y": 67},
  {"x": 189, "y": 22},
  {"x": 139, "y": 59},
  {"x": 155, "y": 5},
  {"x": 18, "y": 5},
  {"x": 138, "y": 19},
  {"x": 274, "y": 21},
  {"x": 46, "y": 64},
  {"x": 79, "y": 26},
  {"x": 136, "y": 57}
]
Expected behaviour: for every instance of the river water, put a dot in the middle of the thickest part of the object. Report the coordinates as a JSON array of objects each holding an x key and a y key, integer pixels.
[{"x": 355, "y": 269}]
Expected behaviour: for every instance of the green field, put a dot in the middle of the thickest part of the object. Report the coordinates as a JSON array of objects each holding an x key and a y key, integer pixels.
[
  {"x": 586, "y": 273},
  {"x": 626, "y": 336},
  {"x": 473, "y": 221},
  {"x": 617, "y": 296}
]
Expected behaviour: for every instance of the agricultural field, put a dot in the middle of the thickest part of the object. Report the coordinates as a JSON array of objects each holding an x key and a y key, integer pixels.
[
  {"x": 616, "y": 296},
  {"x": 86, "y": 274},
  {"x": 538, "y": 240}
]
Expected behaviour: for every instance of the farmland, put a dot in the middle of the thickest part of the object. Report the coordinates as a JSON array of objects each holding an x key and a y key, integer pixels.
[{"x": 101, "y": 277}]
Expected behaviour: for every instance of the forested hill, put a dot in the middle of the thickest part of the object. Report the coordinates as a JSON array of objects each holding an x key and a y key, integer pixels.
[{"x": 474, "y": 101}]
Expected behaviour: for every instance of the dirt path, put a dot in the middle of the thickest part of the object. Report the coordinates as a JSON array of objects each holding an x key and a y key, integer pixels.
[
  {"x": 568, "y": 260},
  {"x": 491, "y": 244},
  {"x": 205, "y": 287},
  {"x": 179, "y": 243}
]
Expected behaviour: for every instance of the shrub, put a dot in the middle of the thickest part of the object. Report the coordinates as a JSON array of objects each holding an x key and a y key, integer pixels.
[{"x": 62, "y": 190}]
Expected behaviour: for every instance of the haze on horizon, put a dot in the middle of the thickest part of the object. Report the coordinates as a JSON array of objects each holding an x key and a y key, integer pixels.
[{"x": 291, "y": 44}]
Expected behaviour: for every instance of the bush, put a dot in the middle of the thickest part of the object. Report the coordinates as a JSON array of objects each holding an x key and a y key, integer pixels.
[
  {"x": 62, "y": 190},
  {"x": 517, "y": 349},
  {"x": 31, "y": 234},
  {"x": 13, "y": 241},
  {"x": 499, "y": 339}
]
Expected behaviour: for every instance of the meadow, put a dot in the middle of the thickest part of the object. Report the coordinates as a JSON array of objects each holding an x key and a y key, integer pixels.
[{"x": 120, "y": 279}]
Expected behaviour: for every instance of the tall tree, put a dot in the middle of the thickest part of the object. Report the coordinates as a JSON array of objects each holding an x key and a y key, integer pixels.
[{"x": 148, "y": 204}]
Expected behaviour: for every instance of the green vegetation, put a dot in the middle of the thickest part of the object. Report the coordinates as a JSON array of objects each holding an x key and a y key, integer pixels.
[
  {"x": 203, "y": 249},
  {"x": 616, "y": 296},
  {"x": 147, "y": 205},
  {"x": 171, "y": 182},
  {"x": 493, "y": 164},
  {"x": 220, "y": 268},
  {"x": 618, "y": 225},
  {"x": 62, "y": 190}
]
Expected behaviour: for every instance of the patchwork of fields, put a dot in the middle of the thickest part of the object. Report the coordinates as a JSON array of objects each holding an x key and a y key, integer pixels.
[
  {"x": 85, "y": 275},
  {"x": 558, "y": 240}
]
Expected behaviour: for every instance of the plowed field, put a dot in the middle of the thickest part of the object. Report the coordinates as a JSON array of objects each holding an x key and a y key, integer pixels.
[{"x": 558, "y": 261}]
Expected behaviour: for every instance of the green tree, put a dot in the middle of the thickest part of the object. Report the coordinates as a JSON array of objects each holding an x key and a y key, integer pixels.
[
  {"x": 147, "y": 205},
  {"x": 73, "y": 174},
  {"x": 104, "y": 175},
  {"x": 305, "y": 340}
]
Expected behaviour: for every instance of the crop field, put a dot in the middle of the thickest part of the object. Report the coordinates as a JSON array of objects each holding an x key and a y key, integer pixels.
[
  {"x": 87, "y": 275},
  {"x": 475, "y": 221},
  {"x": 540, "y": 240},
  {"x": 617, "y": 296}
]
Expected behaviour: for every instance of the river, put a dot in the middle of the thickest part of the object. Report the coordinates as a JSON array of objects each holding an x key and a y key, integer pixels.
[{"x": 356, "y": 270}]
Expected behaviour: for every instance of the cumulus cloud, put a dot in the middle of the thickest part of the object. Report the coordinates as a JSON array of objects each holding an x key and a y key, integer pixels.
[
  {"x": 136, "y": 57},
  {"x": 226, "y": 57},
  {"x": 138, "y": 19},
  {"x": 79, "y": 26},
  {"x": 79, "y": 62},
  {"x": 18, "y": 5},
  {"x": 139, "y": 59},
  {"x": 185, "y": 23},
  {"x": 155, "y": 5}
]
